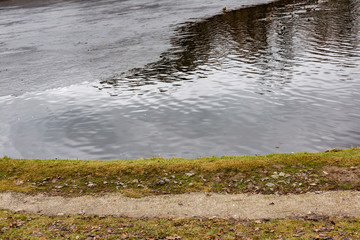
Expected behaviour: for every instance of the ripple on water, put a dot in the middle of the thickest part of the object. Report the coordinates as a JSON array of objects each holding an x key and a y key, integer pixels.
[{"x": 275, "y": 77}]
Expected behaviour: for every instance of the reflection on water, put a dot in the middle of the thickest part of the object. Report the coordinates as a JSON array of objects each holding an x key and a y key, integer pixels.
[
  {"x": 271, "y": 44},
  {"x": 279, "y": 77}
]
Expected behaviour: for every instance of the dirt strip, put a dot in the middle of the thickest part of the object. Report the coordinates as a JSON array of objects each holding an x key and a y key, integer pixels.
[{"x": 243, "y": 206}]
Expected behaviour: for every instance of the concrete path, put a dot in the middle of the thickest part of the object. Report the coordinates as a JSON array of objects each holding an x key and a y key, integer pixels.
[{"x": 242, "y": 206}]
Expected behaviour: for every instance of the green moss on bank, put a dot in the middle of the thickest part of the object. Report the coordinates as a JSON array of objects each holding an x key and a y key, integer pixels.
[
  {"x": 29, "y": 226},
  {"x": 281, "y": 173}
]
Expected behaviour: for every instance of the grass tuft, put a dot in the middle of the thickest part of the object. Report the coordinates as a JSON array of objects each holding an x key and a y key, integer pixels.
[
  {"x": 31, "y": 226},
  {"x": 281, "y": 173}
]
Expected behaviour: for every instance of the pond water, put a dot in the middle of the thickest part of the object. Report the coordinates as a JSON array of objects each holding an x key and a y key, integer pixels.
[{"x": 115, "y": 79}]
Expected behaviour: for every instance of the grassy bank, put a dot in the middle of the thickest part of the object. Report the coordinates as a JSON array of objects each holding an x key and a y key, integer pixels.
[
  {"x": 274, "y": 173},
  {"x": 26, "y": 226}
]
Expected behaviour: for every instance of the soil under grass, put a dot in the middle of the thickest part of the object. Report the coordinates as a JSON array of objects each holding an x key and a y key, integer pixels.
[
  {"x": 27, "y": 226},
  {"x": 270, "y": 174},
  {"x": 274, "y": 173}
]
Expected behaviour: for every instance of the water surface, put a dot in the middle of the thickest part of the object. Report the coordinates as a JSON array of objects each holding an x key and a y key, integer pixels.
[{"x": 275, "y": 77}]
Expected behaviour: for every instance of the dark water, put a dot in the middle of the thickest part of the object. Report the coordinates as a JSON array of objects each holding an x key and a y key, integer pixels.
[{"x": 277, "y": 77}]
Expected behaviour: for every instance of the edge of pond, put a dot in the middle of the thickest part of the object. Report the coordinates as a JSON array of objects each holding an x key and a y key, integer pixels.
[{"x": 266, "y": 174}]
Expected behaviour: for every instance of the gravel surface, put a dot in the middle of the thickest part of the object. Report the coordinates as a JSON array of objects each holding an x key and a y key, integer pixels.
[{"x": 242, "y": 206}]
